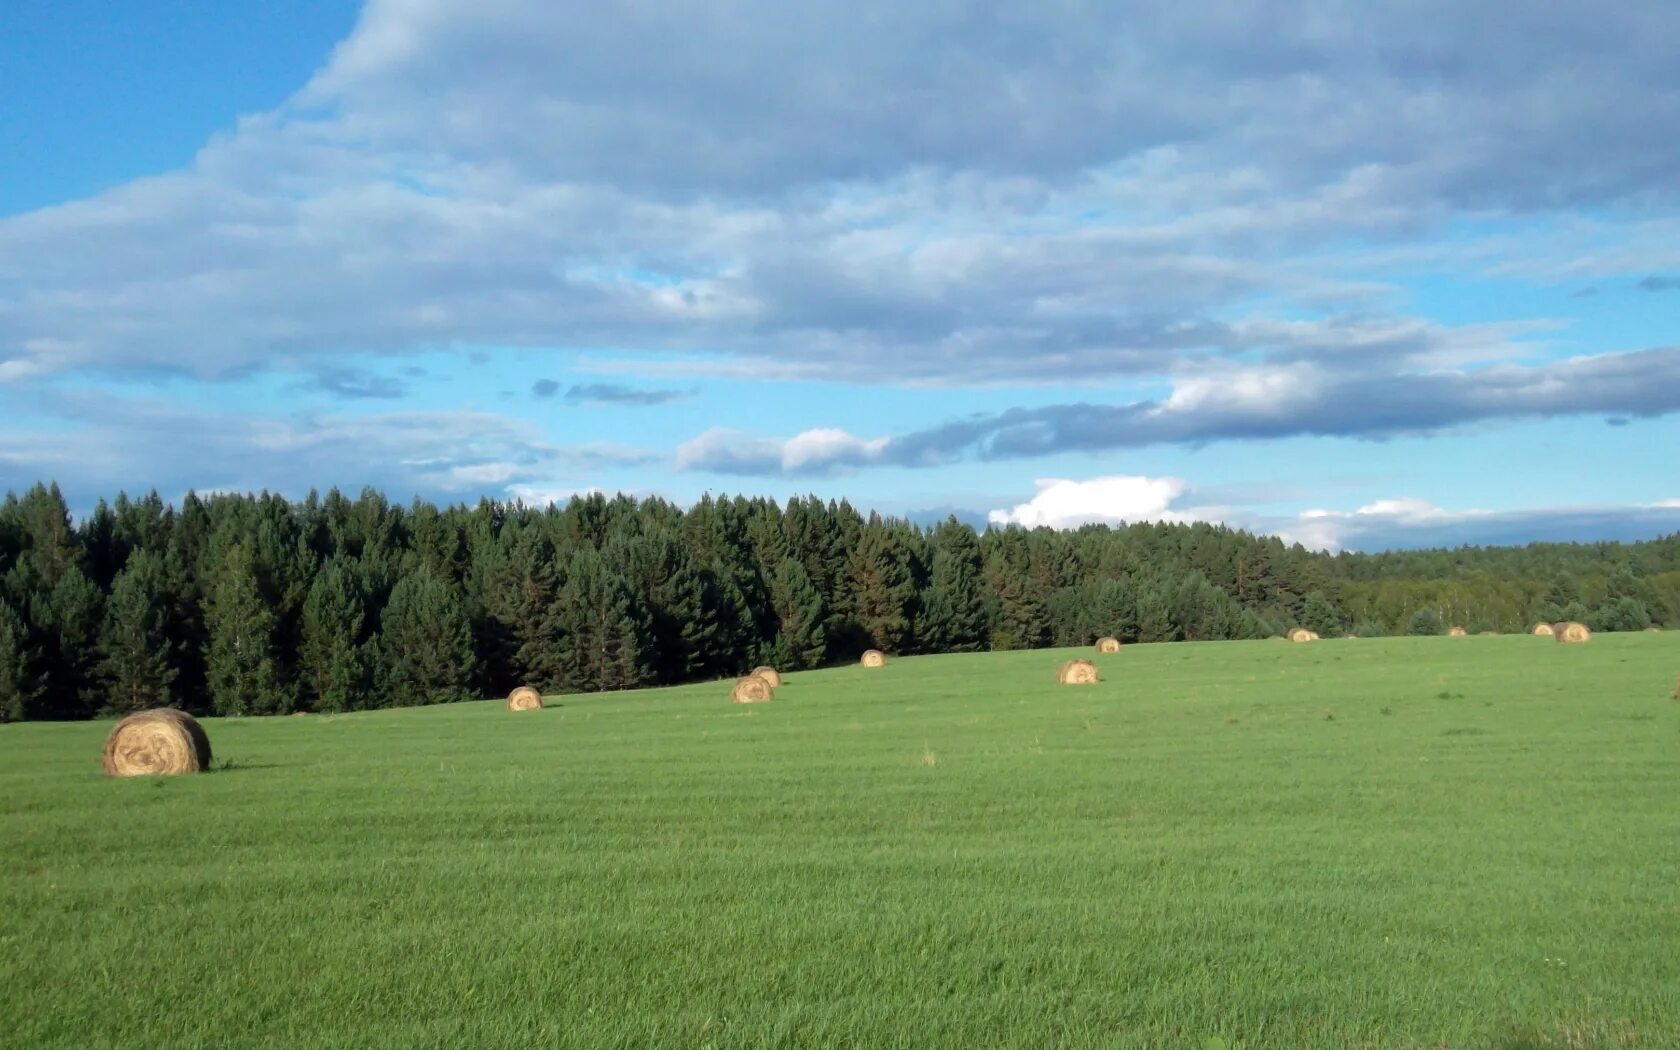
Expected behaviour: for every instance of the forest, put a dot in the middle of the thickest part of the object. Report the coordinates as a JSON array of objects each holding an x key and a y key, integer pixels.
[{"x": 256, "y": 604}]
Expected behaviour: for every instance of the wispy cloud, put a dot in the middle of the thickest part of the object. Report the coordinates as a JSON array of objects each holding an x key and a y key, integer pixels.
[{"x": 611, "y": 394}]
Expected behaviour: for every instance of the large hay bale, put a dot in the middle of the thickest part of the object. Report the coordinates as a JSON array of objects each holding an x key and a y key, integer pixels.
[
  {"x": 524, "y": 698},
  {"x": 1571, "y": 632},
  {"x": 1457, "y": 632},
  {"x": 1108, "y": 645},
  {"x": 1542, "y": 630},
  {"x": 1078, "y": 672},
  {"x": 751, "y": 690},
  {"x": 873, "y": 658},
  {"x": 159, "y": 742},
  {"x": 769, "y": 674},
  {"x": 1301, "y": 634}
]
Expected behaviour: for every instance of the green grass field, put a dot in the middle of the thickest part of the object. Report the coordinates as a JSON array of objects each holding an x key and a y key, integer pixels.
[{"x": 1376, "y": 843}]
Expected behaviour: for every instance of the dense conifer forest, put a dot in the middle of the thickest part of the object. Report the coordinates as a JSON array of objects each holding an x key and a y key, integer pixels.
[{"x": 247, "y": 605}]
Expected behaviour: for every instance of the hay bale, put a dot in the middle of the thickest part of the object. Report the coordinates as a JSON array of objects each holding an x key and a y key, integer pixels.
[
  {"x": 1108, "y": 645},
  {"x": 524, "y": 698},
  {"x": 1457, "y": 632},
  {"x": 751, "y": 690},
  {"x": 873, "y": 658},
  {"x": 1542, "y": 630},
  {"x": 1078, "y": 672},
  {"x": 1572, "y": 632},
  {"x": 1301, "y": 634},
  {"x": 769, "y": 674},
  {"x": 1653, "y": 629},
  {"x": 160, "y": 742}
]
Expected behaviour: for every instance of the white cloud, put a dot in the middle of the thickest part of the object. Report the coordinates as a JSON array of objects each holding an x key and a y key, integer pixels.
[
  {"x": 817, "y": 451},
  {"x": 1065, "y": 504}
]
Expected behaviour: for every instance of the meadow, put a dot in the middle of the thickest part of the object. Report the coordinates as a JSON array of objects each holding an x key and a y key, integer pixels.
[{"x": 1410, "y": 842}]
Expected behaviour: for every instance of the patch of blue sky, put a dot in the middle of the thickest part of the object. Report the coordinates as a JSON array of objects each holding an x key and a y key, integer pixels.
[{"x": 98, "y": 93}]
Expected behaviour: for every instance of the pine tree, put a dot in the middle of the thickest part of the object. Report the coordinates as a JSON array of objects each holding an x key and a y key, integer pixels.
[
  {"x": 1319, "y": 615},
  {"x": 241, "y": 667},
  {"x": 331, "y": 660},
  {"x": 425, "y": 645},
  {"x": 604, "y": 626},
  {"x": 1425, "y": 621},
  {"x": 137, "y": 666},
  {"x": 801, "y": 617},
  {"x": 78, "y": 609},
  {"x": 883, "y": 588},
  {"x": 18, "y": 686},
  {"x": 953, "y": 613}
]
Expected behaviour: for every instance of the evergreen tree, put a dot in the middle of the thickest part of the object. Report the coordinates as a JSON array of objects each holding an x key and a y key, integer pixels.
[
  {"x": 604, "y": 626},
  {"x": 137, "y": 668},
  {"x": 1319, "y": 615},
  {"x": 78, "y": 609},
  {"x": 953, "y": 609},
  {"x": 18, "y": 686},
  {"x": 332, "y": 661},
  {"x": 1425, "y": 621},
  {"x": 883, "y": 588},
  {"x": 241, "y": 668},
  {"x": 425, "y": 644},
  {"x": 802, "y": 619}
]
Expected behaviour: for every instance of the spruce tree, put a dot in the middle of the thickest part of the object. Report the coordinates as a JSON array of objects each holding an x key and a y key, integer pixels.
[
  {"x": 604, "y": 626},
  {"x": 78, "y": 609},
  {"x": 425, "y": 644},
  {"x": 801, "y": 618},
  {"x": 953, "y": 612},
  {"x": 883, "y": 590},
  {"x": 18, "y": 686},
  {"x": 331, "y": 661},
  {"x": 241, "y": 668},
  {"x": 1319, "y": 615},
  {"x": 137, "y": 666}
]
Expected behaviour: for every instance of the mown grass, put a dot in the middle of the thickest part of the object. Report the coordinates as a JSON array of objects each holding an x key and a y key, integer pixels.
[{"x": 1374, "y": 843}]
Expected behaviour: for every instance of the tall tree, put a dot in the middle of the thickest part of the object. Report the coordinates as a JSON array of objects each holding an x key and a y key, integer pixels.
[
  {"x": 137, "y": 665},
  {"x": 241, "y": 668},
  {"x": 953, "y": 610},
  {"x": 426, "y": 644},
  {"x": 801, "y": 618},
  {"x": 332, "y": 660},
  {"x": 18, "y": 685}
]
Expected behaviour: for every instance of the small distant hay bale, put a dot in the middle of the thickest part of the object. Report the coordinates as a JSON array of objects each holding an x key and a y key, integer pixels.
[
  {"x": 524, "y": 698},
  {"x": 1078, "y": 672},
  {"x": 160, "y": 742},
  {"x": 1301, "y": 634},
  {"x": 1572, "y": 632},
  {"x": 751, "y": 690},
  {"x": 769, "y": 674},
  {"x": 1108, "y": 645},
  {"x": 1542, "y": 630},
  {"x": 873, "y": 658},
  {"x": 1652, "y": 629},
  {"x": 1457, "y": 632}
]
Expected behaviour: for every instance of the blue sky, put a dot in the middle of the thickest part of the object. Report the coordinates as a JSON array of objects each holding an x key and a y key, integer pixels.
[{"x": 1364, "y": 277}]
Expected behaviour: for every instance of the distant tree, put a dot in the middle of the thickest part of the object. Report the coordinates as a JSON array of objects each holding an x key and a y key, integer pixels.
[
  {"x": 332, "y": 661},
  {"x": 953, "y": 608},
  {"x": 137, "y": 668},
  {"x": 18, "y": 686},
  {"x": 425, "y": 646},
  {"x": 1425, "y": 621},
  {"x": 241, "y": 666},
  {"x": 801, "y": 618},
  {"x": 1319, "y": 615}
]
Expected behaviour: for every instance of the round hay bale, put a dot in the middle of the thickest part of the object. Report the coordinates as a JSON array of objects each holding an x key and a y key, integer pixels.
[
  {"x": 1653, "y": 629},
  {"x": 525, "y": 698},
  {"x": 1301, "y": 634},
  {"x": 873, "y": 658},
  {"x": 1078, "y": 672},
  {"x": 1542, "y": 630},
  {"x": 751, "y": 690},
  {"x": 1108, "y": 645},
  {"x": 769, "y": 674},
  {"x": 1573, "y": 633},
  {"x": 160, "y": 742},
  {"x": 1457, "y": 632}
]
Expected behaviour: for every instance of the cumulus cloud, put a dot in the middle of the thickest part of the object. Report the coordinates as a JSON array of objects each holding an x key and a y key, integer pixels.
[
  {"x": 813, "y": 452},
  {"x": 1063, "y": 504}
]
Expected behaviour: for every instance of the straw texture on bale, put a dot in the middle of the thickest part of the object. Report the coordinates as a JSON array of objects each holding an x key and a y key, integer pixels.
[
  {"x": 1301, "y": 634},
  {"x": 524, "y": 699},
  {"x": 1108, "y": 645},
  {"x": 1457, "y": 632},
  {"x": 769, "y": 674},
  {"x": 1652, "y": 628},
  {"x": 1078, "y": 672},
  {"x": 751, "y": 690},
  {"x": 159, "y": 742},
  {"x": 874, "y": 658},
  {"x": 1571, "y": 632},
  {"x": 1542, "y": 630}
]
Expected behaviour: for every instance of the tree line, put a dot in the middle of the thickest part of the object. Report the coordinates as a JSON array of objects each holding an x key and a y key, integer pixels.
[{"x": 255, "y": 604}]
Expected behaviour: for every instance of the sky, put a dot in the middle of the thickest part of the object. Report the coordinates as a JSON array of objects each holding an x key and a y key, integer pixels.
[{"x": 1363, "y": 274}]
